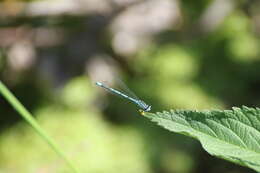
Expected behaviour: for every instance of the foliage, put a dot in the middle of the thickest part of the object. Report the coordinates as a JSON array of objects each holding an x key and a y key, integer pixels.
[
  {"x": 178, "y": 67},
  {"x": 31, "y": 121},
  {"x": 231, "y": 134}
]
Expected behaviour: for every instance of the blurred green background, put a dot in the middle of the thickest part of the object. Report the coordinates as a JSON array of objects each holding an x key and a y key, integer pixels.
[{"x": 202, "y": 54}]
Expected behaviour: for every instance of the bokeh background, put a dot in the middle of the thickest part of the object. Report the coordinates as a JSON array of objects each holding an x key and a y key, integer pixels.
[{"x": 202, "y": 54}]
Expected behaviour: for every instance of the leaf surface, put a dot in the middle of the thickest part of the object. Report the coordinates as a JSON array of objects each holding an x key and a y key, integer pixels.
[{"x": 233, "y": 135}]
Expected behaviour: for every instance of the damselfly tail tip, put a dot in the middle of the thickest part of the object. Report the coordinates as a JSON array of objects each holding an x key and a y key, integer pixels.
[{"x": 99, "y": 84}]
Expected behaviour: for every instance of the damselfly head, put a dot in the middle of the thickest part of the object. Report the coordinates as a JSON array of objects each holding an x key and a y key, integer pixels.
[
  {"x": 144, "y": 106},
  {"x": 148, "y": 108}
]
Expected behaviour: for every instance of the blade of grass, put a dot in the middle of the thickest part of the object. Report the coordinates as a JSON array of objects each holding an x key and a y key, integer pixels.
[{"x": 29, "y": 118}]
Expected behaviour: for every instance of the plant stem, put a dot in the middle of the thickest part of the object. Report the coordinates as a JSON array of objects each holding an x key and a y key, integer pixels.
[{"x": 29, "y": 118}]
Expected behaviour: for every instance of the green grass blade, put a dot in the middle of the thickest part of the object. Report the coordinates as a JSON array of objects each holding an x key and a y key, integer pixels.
[
  {"x": 29, "y": 118},
  {"x": 230, "y": 134}
]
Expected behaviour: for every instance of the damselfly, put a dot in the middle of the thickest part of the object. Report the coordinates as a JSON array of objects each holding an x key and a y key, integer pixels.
[{"x": 135, "y": 99}]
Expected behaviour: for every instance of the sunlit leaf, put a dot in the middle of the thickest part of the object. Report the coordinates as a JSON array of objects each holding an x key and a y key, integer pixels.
[{"x": 230, "y": 134}]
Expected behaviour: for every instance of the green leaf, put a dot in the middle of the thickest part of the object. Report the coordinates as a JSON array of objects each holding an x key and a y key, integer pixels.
[{"x": 233, "y": 135}]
